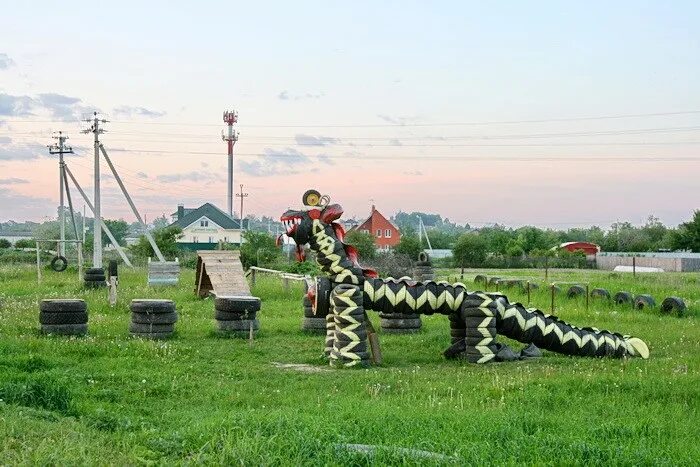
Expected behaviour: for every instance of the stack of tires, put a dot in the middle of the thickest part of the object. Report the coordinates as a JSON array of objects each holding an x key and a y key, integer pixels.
[
  {"x": 152, "y": 319},
  {"x": 95, "y": 278},
  {"x": 350, "y": 338},
  {"x": 400, "y": 323},
  {"x": 236, "y": 315},
  {"x": 315, "y": 314},
  {"x": 423, "y": 271},
  {"x": 66, "y": 317}
]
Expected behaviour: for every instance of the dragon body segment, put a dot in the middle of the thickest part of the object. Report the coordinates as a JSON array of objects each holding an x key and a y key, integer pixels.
[{"x": 476, "y": 318}]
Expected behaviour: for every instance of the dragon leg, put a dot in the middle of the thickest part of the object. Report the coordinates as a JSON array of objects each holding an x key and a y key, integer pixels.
[{"x": 350, "y": 336}]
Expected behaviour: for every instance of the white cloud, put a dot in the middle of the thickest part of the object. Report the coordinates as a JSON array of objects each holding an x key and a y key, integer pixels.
[{"x": 5, "y": 61}]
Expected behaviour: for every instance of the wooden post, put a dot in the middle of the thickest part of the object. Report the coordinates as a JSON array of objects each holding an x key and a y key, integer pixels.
[
  {"x": 587, "y": 292},
  {"x": 486, "y": 283},
  {"x": 80, "y": 261},
  {"x": 38, "y": 264},
  {"x": 634, "y": 266},
  {"x": 112, "y": 291},
  {"x": 528, "y": 293},
  {"x": 252, "y": 277},
  {"x": 285, "y": 281},
  {"x": 546, "y": 268},
  {"x": 251, "y": 334}
]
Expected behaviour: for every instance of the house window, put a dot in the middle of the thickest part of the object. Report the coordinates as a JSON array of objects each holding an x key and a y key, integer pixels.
[
  {"x": 204, "y": 223},
  {"x": 365, "y": 231},
  {"x": 387, "y": 233},
  {"x": 225, "y": 239},
  {"x": 195, "y": 239},
  {"x": 379, "y": 233},
  {"x": 211, "y": 239}
]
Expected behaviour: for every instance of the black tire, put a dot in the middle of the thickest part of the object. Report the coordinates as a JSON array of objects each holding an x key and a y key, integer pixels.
[
  {"x": 361, "y": 347},
  {"x": 423, "y": 257},
  {"x": 400, "y": 330},
  {"x": 65, "y": 329},
  {"x": 141, "y": 328},
  {"x": 63, "y": 305},
  {"x": 311, "y": 198},
  {"x": 480, "y": 279},
  {"x": 457, "y": 332},
  {"x": 323, "y": 296},
  {"x": 361, "y": 333},
  {"x": 400, "y": 323},
  {"x": 95, "y": 271},
  {"x": 230, "y": 316},
  {"x": 152, "y": 335},
  {"x": 673, "y": 304},
  {"x": 235, "y": 304},
  {"x": 472, "y": 322},
  {"x": 79, "y": 317},
  {"x": 309, "y": 313},
  {"x": 644, "y": 301},
  {"x": 144, "y": 305},
  {"x": 494, "y": 280},
  {"x": 240, "y": 325},
  {"x": 59, "y": 263},
  {"x": 313, "y": 323},
  {"x": 474, "y": 332},
  {"x": 600, "y": 293},
  {"x": 154, "y": 318},
  {"x": 576, "y": 291},
  {"x": 306, "y": 301},
  {"x": 399, "y": 316},
  {"x": 90, "y": 284},
  {"x": 623, "y": 298},
  {"x": 362, "y": 355}
]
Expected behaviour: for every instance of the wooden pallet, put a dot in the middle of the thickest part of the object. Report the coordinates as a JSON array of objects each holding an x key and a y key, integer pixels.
[{"x": 220, "y": 273}]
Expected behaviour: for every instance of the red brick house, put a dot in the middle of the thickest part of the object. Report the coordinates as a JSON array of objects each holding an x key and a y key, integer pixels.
[{"x": 386, "y": 235}]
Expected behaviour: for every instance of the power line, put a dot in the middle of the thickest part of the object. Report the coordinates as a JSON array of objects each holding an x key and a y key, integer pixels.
[{"x": 400, "y": 124}]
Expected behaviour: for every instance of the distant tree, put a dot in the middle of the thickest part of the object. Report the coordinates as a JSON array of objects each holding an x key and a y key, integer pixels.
[
  {"x": 5, "y": 243},
  {"x": 442, "y": 239},
  {"x": 118, "y": 228},
  {"x": 160, "y": 222},
  {"x": 258, "y": 248},
  {"x": 25, "y": 243},
  {"x": 410, "y": 246},
  {"x": 687, "y": 236},
  {"x": 363, "y": 243},
  {"x": 166, "y": 239},
  {"x": 470, "y": 250}
]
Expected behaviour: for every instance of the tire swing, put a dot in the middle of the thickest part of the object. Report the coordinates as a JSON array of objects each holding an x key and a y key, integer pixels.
[{"x": 59, "y": 263}]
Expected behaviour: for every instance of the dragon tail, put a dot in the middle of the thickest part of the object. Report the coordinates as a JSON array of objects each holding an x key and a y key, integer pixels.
[{"x": 487, "y": 315}]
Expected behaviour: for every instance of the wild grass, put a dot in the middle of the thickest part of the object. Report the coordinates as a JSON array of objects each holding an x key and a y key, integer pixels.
[{"x": 110, "y": 399}]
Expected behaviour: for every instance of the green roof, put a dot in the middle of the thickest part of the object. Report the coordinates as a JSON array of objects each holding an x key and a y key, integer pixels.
[{"x": 212, "y": 213}]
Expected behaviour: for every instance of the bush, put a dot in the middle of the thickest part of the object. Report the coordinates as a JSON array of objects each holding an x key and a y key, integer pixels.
[
  {"x": 5, "y": 243},
  {"x": 259, "y": 249},
  {"x": 409, "y": 245},
  {"x": 363, "y": 243},
  {"x": 165, "y": 238},
  {"x": 391, "y": 264},
  {"x": 25, "y": 243}
]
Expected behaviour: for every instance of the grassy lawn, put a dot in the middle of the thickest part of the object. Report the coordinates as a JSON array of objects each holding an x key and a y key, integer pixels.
[{"x": 197, "y": 398}]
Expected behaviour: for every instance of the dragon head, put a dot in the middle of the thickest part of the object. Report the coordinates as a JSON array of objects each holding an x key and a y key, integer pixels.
[{"x": 316, "y": 225}]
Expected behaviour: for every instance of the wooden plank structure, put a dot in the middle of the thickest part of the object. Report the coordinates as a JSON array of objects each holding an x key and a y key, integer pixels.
[
  {"x": 220, "y": 273},
  {"x": 163, "y": 272}
]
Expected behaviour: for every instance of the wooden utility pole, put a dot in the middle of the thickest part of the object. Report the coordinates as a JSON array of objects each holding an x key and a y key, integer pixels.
[
  {"x": 241, "y": 195},
  {"x": 61, "y": 149}
]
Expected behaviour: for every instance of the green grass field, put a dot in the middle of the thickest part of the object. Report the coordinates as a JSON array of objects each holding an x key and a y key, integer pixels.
[{"x": 197, "y": 398}]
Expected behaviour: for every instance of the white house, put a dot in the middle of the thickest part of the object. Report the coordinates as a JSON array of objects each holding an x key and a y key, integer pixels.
[{"x": 204, "y": 227}]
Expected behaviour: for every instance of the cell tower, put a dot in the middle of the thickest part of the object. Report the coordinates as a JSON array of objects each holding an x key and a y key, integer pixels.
[{"x": 230, "y": 117}]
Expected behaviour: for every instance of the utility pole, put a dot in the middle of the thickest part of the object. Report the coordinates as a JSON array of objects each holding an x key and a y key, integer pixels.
[
  {"x": 97, "y": 229},
  {"x": 61, "y": 149},
  {"x": 230, "y": 117},
  {"x": 241, "y": 195}
]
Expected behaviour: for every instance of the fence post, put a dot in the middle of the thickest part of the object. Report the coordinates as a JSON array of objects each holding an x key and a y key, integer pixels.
[
  {"x": 587, "y": 287},
  {"x": 528, "y": 293},
  {"x": 285, "y": 281},
  {"x": 38, "y": 266},
  {"x": 252, "y": 277},
  {"x": 546, "y": 268},
  {"x": 634, "y": 266}
]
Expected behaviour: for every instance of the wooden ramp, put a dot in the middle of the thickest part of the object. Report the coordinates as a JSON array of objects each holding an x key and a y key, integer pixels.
[{"x": 220, "y": 272}]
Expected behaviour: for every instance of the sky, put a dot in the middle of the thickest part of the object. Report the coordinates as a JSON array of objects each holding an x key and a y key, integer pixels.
[{"x": 547, "y": 113}]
